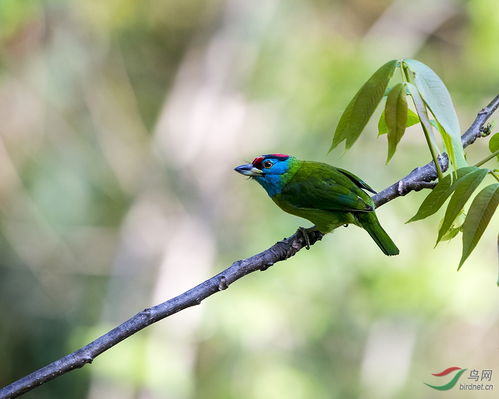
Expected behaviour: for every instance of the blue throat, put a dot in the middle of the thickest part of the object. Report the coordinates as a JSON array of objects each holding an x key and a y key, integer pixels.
[{"x": 271, "y": 183}]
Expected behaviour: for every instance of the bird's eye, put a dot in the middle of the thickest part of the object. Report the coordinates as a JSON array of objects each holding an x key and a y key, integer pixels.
[{"x": 267, "y": 164}]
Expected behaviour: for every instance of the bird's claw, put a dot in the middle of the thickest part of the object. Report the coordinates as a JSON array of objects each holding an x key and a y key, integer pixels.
[{"x": 304, "y": 232}]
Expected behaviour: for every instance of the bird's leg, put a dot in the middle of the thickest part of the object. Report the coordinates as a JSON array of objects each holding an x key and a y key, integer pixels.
[{"x": 304, "y": 232}]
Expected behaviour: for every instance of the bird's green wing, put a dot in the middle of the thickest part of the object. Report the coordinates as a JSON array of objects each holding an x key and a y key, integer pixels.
[
  {"x": 317, "y": 185},
  {"x": 357, "y": 181}
]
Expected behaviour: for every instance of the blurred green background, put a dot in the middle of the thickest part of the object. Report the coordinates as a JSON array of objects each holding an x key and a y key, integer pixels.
[{"x": 121, "y": 121}]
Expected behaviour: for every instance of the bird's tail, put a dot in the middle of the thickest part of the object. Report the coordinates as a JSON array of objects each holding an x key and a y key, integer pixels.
[{"x": 369, "y": 221}]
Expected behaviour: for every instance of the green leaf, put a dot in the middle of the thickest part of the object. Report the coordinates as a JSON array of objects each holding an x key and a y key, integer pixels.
[
  {"x": 481, "y": 210},
  {"x": 494, "y": 144},
  {"x": 464, "y": 187},
  {"x": 382, "y": 128},
  {"x": 412, "y": 119},
  {"x": 395, "y": 117},
  {"x": 437, "y": 98},
  {"x": 455, "y": 228},
  {"x": 361, "y": 107},
  {"x": 434, "y": 201}
]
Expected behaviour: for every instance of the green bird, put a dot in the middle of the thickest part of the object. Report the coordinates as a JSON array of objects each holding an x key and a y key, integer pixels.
[{"x": 327, "y": 196}]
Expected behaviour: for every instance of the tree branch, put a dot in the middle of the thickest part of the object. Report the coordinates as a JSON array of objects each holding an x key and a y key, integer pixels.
[{"x": 418, "y": 179}]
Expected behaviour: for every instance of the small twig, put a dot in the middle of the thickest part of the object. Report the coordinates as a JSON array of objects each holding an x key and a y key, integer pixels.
[
  {"x": 488, "y": 158},
  {"x": 418, "y": 179}
]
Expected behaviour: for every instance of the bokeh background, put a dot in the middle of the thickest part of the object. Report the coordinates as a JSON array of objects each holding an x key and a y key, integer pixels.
[{"x": 120, "y": 123}]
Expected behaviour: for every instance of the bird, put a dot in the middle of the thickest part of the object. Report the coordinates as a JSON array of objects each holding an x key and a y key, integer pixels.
[{"x": 327, "y": 196}]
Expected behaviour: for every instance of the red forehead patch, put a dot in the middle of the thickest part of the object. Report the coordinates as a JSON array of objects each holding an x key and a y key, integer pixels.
[{"x": 257, "y": 161}]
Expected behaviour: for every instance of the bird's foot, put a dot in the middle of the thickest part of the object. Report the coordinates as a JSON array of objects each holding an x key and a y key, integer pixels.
[{"x": 304, "y": 232}]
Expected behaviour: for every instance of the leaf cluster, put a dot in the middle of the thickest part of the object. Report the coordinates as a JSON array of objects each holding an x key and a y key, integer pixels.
[
  {"x": 460, "y": 188},
  {"x": 431, "y": 106},
  {"x": 429, "y": 97}
]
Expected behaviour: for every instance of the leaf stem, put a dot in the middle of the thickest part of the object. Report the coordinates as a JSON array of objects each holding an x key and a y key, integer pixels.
[
  {"x": 434, "y": 152},
  {"x": 421, "y": 110},
  {"x": 494, "y": 175},
  {"x": 488, "y": 158}
]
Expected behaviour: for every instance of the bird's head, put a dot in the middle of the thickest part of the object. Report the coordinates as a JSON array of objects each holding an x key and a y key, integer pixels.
[
  {"x": 265, "y": 165},
  {"x": 268, "y": 170}
]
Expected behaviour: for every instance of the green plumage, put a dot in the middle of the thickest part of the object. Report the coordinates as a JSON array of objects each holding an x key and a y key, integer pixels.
[
  {"x": 330, "y": 197},
  {"x": 327, "y": 196}
]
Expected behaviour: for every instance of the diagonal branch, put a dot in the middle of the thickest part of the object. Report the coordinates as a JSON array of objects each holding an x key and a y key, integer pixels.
[{"x": 418, "y": 179}]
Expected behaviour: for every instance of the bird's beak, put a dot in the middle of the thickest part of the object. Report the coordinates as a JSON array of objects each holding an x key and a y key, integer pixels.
[{"x": 248, "y": 170}]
